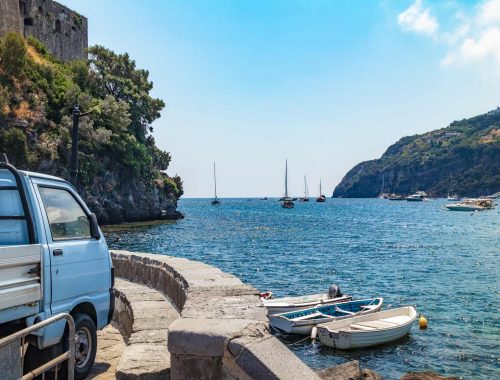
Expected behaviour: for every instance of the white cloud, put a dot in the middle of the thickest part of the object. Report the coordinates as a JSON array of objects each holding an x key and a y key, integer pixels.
[
  {"x": 472, "y": 38},
  {"x": 489, "y": 12},
  {"x": 418, "y": 19}
]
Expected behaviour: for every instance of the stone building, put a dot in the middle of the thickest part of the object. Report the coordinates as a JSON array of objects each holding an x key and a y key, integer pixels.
[{"x": 62, "y": 30}]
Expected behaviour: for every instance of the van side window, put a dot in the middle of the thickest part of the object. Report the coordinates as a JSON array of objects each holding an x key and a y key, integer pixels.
[{"x": 66, "y": 217}]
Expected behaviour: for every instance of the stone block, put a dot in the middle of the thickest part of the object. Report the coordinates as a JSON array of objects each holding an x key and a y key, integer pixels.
[
  {"x": 271, "y": 359},
  {"x": 203, "y": 337},
  {"x": 145, "y": 362},
  {"x": 187, "y": 367}
]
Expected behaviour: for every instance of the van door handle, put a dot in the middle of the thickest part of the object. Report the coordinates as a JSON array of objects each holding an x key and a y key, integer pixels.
[{"x": 57, "y": 252}]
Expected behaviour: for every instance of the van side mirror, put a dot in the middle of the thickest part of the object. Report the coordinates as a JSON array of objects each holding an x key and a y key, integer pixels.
[{"x": 94, "y": 227}]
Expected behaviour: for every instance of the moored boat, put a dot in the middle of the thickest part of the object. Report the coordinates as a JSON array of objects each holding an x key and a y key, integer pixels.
[
  {"x": 287, "y": 202},
  {"x": 215, "y": 200},
  {"x": 301, "y": 322},
  {"x": 305, "y": 198},
  {"x": 419, "y": 196},
  {"x": 395, "y": 197},
  {"x": 321, "y": 197},
  {"x": 471, "y": 205},
  {"x": 289, "y": 304},
  {"x": 368, "y": 330}
]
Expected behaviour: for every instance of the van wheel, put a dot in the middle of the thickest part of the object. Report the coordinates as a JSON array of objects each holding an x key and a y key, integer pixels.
[{"x": 85, "y": 345}]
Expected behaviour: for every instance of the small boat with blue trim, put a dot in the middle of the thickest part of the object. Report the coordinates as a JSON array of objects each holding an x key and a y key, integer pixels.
[{"x": 301, "y": 322}]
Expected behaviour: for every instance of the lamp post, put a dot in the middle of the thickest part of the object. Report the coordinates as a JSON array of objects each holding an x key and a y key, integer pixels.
[{"x": 74, "y": 145}]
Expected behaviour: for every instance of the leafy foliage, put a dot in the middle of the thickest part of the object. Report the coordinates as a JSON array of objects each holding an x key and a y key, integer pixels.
[{"x": 37, "y": 95}]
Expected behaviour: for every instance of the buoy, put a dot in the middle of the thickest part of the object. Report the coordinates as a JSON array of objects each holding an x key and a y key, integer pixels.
[
  {"x": 314, "y": 333},
  {"x": 422, "y": 322}
]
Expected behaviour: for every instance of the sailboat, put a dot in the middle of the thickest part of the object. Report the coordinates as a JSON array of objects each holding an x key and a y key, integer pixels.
[
  {"x": 306, "y": 192},
  {"x": 382, "y": 194},
  {"x": 215, "y": 201},
  {"x": 287, "y": 201},
  {"x": 321, "y": 197},
  {"x": 451, "y": 195}
]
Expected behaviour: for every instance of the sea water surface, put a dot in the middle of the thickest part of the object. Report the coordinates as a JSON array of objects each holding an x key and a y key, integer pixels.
[{"x": 444, "y": 263}]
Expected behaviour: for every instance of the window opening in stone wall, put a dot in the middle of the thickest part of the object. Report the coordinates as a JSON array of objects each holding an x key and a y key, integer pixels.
[
  {"x": 22, "y": 8},
  {"x": 58, "y": 26},
  {"x": 28, "y": 21}
]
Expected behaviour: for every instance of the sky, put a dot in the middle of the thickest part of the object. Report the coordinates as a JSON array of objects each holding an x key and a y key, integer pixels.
[{"x": 324, "y": 84}]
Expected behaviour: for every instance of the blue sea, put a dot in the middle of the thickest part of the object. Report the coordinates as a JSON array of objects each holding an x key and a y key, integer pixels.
[{"x": 446, "y": 264}]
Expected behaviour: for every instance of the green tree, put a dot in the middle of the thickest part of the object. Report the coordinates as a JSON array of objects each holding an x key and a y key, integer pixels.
[
  {"x": 117, "y": 75},
  {"x": 13, "y": 54}
]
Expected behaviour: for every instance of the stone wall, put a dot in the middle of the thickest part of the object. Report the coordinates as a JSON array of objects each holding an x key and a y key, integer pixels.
[
  {"x": 9, "y": 17},
  {"x": 63, "y": 31},
  {"x": 223, "y": 332}
]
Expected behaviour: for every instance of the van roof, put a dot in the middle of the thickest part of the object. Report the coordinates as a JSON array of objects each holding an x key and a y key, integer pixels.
[{"x": 43, "y": 176}]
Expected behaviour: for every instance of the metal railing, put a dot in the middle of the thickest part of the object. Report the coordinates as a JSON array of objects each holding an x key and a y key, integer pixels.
[{"x": 67, "y": 355}]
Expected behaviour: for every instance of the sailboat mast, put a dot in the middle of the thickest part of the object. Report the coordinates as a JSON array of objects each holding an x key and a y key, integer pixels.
[
  {"x": 320, "y": 188},
  {"x": 286, "y": 178},
  {"x": 305, "y": 187},
  {"x": 383, "y": 184},
  {"x": 215, "y": 182}
]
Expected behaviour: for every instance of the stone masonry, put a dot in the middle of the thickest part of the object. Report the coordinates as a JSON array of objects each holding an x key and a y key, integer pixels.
[
  {"x": 63, "y": 31},
  {"x": 222, "y": 331}
]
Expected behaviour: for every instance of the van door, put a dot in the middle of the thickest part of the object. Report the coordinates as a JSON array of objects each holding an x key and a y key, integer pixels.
[{"x": 79, "y": 264}]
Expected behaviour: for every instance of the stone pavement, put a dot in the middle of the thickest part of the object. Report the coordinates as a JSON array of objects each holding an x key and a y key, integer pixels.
[{"x": 110, "y": 346}]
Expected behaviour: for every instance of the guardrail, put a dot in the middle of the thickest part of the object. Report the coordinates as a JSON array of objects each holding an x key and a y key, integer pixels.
[{"x": 67, "y": 355}]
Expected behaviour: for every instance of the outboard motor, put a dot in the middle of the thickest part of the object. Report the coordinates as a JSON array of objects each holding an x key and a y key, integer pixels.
[{"x": 334, "y": 291}]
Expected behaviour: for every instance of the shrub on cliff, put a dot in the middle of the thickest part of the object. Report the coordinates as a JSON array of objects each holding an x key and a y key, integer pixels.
[{"x": 37, "y": 94}]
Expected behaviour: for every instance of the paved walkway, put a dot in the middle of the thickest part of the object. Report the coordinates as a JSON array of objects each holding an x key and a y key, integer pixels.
[{"x": 110, "y": 346}]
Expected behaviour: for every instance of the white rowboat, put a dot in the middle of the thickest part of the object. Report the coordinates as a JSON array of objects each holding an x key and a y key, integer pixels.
[
  {"x": 368, "y": 330},
  {"x": 286, "y": 304},
  {"x": 301, "y": 322}
]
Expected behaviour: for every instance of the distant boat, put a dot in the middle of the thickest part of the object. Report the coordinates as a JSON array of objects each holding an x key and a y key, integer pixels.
[
  {"x": 263, "y": 199},
  {"x": 395, "y": 197},
  {"x": 305, "y": 198},
  {"x": 287, "y": 202},
  {"x": 368, "y": 330},
  {"x": 321, "y": 197},
  {"x": 419, "y": 196},
  {"x": 471, "y": 205},
  {"x": 215, "y": 201},
  {"x": 382, "y": 194},
  {"x": 451, "y": 195}
]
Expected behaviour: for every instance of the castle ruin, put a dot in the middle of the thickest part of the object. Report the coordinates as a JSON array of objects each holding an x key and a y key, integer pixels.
[{"x": 63, "y": 31}]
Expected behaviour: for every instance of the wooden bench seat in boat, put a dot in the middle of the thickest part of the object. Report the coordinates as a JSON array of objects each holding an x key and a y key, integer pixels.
[
  {"x": 400, "y": 319},
  {"x": 311, "y": 316},
  {"x": 378, "y": 324}
]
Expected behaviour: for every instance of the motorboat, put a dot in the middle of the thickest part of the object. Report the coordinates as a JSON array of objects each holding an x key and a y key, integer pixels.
[
  {"x": 368, "y": 330},
  {"x": 471, "y": 205},
  {"x": 301, "y": 322},
  {"x": 289, "y": 304},
  {"x": 419, "y": 196}
]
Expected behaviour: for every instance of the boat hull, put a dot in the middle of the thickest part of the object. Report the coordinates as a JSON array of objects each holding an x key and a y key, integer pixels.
[
  {"x": 344, "y": 338},
  {"x": 304, "y": 325}
]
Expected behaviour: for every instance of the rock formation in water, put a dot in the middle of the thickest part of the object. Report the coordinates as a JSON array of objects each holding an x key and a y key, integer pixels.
[{"x": 463, "y": 157}]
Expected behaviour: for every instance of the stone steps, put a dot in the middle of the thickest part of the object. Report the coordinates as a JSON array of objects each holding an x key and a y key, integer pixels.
[{"x": 143, "y": 315}]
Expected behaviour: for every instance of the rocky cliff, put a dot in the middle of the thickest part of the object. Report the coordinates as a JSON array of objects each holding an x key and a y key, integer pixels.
[
  {"x": 121, "y": 172},
  {"x": 465, "y": 156}
]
